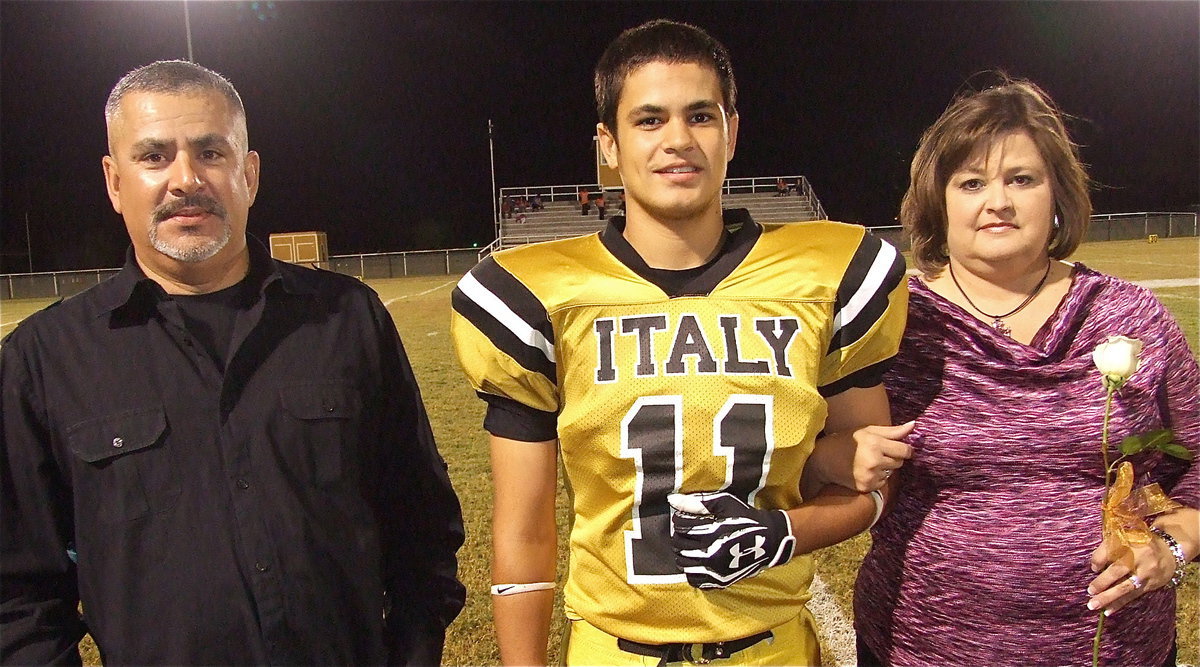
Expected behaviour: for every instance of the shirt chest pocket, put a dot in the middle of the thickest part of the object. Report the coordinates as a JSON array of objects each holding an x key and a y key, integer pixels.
[
  {"x": 323, "y": 418},
  {"x": 124, "y": 470}
]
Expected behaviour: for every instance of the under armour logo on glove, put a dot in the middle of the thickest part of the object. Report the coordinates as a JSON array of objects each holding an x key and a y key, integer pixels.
[{"x": 719, "y": 540}]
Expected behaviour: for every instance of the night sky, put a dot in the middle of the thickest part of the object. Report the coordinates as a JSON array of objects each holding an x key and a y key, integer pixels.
[{"x": 371, "y": 117}]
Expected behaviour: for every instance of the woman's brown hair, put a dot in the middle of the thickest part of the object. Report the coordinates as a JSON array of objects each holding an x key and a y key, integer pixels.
[{"x": 977, "y": 119}]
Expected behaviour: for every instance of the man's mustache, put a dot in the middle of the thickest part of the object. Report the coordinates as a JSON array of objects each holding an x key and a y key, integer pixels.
[{"x": 198, "y": 200}]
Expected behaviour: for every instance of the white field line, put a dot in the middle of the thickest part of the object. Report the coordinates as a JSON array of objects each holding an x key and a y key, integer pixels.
[
  {"x": 389, "y": 302},
  {"x": 1142, "y": 263},
  {"x": 1168, "y": 282},
  {"x": 833, "y": 624},
  {"x": 386, "y": 304}
]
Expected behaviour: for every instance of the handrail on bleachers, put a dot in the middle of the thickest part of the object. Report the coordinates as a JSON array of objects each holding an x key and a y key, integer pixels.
[{"x": 561, "y": 216}]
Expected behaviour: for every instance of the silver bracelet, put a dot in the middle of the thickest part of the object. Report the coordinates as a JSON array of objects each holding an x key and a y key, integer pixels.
[
  {"x": 1176, "y": 551},
  {"x": 877, "y": 496}
]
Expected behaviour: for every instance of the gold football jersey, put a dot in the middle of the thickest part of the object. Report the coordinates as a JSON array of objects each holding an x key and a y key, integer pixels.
[{"x": 720, "y": 388}]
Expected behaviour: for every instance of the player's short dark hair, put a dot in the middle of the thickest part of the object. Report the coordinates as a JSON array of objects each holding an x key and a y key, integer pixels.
[
  {"x": 976, "y": 119},
  {"x": 655, "y": 41},
  {"x": 171, "y": 76}
]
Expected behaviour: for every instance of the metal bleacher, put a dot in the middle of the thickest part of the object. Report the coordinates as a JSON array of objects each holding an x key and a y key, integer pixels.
[{"x": 561, "y": 217}]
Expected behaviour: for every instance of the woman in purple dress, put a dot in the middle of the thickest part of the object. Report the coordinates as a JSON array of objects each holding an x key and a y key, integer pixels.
[{"x": 989, "y": 554}]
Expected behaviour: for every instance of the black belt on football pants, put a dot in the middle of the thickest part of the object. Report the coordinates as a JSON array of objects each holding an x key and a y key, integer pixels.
[{"x": 686, "y": 652}]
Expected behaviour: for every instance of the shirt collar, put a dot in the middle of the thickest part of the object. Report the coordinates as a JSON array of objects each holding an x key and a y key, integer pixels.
[
  {"x": 735, "y": 220},
  {"x": 744, "y": 233},
  {"x": 130, "y": 288}
]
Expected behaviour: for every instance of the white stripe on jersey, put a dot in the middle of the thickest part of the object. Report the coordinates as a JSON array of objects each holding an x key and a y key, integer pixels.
[
  {"x": 485, "y": 299},
  {"x": 867, "y": 289}
]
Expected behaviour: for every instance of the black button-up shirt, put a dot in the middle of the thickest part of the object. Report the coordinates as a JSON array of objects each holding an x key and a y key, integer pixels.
[{"x": 291, "y": 508}]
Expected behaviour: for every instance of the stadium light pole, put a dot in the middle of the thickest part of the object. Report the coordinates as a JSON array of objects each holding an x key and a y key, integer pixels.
[
  {"x": 28, "y": 242},
  {"x": 187, "y": 25},
  {"x": 495, "y": 195}
]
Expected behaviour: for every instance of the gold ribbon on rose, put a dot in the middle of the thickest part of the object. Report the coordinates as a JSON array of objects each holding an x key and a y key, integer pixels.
[{"x": 1125, "y": 513}]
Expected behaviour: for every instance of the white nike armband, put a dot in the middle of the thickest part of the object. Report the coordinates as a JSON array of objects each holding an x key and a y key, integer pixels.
[{"x": 514, "y": 589}]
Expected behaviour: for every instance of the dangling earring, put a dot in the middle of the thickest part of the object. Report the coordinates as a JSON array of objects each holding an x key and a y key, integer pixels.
[{"x": 1057, "y": 224}]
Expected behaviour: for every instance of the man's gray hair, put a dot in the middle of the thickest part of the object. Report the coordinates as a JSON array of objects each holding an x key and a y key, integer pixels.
[{"x": 171, "y": 76}]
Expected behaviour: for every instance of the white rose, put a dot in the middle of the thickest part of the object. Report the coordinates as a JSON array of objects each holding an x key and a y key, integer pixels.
[{"x": 1117, "y": 359}]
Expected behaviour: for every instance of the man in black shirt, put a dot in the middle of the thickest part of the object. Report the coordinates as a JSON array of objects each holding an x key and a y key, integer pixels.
[{"x": 224, "y": 457}]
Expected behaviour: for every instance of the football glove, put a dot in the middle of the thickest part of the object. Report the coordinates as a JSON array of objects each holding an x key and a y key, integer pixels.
[{"x": 719, "y": 540}]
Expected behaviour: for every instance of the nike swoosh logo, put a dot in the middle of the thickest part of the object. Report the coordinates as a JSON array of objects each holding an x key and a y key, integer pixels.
[{"x": 504, "y": 589}]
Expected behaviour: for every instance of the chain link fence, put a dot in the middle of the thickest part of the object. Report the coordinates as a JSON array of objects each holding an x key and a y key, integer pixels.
[
  {"x": 365, "y": 267},
  {"x": 1104, "y": 227}
]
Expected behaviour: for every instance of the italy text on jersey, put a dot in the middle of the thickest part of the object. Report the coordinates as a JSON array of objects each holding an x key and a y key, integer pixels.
[{"x": 688, "y": 340}]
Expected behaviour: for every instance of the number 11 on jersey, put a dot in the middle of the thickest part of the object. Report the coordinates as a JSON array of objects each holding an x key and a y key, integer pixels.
[{"x": 652, "y": 435}]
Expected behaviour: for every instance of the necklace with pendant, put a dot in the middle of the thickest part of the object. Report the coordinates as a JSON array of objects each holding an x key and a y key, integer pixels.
[{"x": 998, "y": 320}]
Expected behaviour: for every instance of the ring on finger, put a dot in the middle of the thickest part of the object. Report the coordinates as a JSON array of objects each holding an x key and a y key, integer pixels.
[{"x": 1136, "y": 581}]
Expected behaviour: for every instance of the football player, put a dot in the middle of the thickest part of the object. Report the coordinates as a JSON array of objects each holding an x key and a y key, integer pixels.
[{"x": 683, "y": 362}]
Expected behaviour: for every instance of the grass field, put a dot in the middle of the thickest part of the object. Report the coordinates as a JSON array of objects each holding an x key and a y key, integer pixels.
[{"x": 420, "y": 307}]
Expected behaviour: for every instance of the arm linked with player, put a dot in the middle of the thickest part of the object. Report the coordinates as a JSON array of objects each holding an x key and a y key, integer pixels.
[{"x": 858, "y": 449}]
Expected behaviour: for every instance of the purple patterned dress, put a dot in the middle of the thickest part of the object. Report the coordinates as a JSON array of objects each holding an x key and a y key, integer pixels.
[{"x": 984, "y": 560}]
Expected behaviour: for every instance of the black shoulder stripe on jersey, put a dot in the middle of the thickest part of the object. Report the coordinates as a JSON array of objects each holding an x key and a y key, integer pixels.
[
  {"x": 509, "y": 315},
  {"x": 862, "y": 308},
  {"x": 515, "y": 294},
  {"x": 862, "y": 378}
]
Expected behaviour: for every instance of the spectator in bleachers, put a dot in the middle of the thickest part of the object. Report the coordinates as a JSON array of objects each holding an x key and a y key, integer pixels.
[
  {"x": 781, "y": 187},
  {"x": 585, "y": 201},
  {"x": 537, "y": 204},
  {"x": 506, "y": 207},
  {"x": 522, "y": 204},
  {"x": 601, "y": 205}
]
